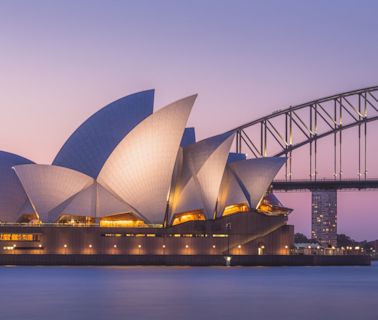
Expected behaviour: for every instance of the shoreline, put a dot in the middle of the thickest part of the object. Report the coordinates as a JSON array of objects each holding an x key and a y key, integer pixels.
[{"x": 182, "y": 260}]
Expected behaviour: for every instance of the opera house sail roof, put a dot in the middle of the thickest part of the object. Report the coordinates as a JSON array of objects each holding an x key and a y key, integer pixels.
[
  {"x": 90, "y": 145},
  {"x": 12, "y": 196},
  {"x": 202, "y": 171},
  {"x": 126, "y": 160},
  {"x": 140, "y": 168}
]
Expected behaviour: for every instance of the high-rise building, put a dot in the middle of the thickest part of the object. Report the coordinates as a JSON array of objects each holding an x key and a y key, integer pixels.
[{"x": 324, "y": 217}]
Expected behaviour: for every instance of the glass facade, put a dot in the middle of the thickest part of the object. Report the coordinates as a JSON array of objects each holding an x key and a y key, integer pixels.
[{"x": 324, "y": 217}]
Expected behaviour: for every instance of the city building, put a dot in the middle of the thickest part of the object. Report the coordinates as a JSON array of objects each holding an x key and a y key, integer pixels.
[
  {"x": 324, "y": 217},
  {"x": 132, "y": 181}
]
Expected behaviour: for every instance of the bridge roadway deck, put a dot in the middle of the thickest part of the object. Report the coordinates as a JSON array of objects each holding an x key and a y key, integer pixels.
[{"x": 301, "y": 185}]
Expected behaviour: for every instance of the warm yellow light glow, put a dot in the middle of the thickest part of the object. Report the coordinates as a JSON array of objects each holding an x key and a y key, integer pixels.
[
  {"x": 220, "y": 235},
  {"x": 267, "y": 208},
  {"x": 18, "y": 237},
  {"x": 8, "y": 248},
  {"x": 31, "y": 218},
  {"x": 214, "y": 246},
  {"x": 139, "y": 246},
  {"x": 113, "y": 235},
  {"x": 90, "y": 246},
  {"x": 235, "y": 208},
  {"x": 163, "y": 246},
  {"x": 188, "y": 216},
  {"x": 75, "y": 220},
  {"x": 65, "y": 246},
  {"x": 186, "y": 246},
  {"x": 115, "y": 246},
  {"x": 239, "y": 246},
  {"x": 123, "y": 220}
]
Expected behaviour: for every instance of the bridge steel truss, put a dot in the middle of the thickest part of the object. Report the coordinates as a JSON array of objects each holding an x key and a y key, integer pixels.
[{"x": 314, "y": 120}]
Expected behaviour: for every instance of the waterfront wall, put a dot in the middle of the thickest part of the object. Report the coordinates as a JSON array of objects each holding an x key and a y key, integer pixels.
[
  {"x": 248, "y": 232},
  {"x": 182, "y": 260}
]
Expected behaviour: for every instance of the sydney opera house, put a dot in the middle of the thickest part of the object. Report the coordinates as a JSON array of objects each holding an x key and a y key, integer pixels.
[{"x": 131, "y": 181}]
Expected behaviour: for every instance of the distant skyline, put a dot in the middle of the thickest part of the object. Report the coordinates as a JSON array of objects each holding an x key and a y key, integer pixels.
[{"x": 61, "y": 61}]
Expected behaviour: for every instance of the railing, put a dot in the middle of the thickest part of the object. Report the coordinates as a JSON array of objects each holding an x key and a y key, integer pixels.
[{"x": 325, "y": 184}]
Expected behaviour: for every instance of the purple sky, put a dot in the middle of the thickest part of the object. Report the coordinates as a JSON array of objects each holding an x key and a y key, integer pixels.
[{"x": 60, "y": 61}]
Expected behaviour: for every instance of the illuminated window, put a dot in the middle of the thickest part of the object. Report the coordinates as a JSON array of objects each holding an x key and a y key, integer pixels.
[
  {"x": 76, "y": 220},
  {"x": 19, "y": 237},
  {"x": 123, "y": 220},
  {"x": 235, "y": 208},
  {"x": 220, "y": 235},
  {"x": 183, "y": 217},
  {"x": 272, "y": 209},
  {"x": 31, "y": 218}
]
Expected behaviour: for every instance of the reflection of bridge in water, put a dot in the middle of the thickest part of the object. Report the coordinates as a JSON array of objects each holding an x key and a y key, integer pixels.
[{"x": 289, "y": 132}]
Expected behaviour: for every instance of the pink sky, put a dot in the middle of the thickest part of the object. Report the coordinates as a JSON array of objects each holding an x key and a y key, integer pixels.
[{"x": 60, "y": 62}]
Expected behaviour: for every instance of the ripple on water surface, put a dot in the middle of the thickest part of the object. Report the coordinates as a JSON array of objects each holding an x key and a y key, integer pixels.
[{"x": 189, "y": 293}]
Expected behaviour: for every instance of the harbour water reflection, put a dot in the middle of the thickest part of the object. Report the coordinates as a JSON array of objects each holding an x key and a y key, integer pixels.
[{"x": 189, "y": 293}]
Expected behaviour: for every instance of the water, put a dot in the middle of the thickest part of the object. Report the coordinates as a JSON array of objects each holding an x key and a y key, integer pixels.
[{"x": 189, "y": 293}]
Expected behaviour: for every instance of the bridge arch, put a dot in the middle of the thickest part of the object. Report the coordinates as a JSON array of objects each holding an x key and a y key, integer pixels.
[{"x": 312, "y": 121}]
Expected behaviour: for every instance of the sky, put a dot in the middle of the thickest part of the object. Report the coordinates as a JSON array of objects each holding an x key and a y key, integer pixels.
[{"x": 61, "y": 61}]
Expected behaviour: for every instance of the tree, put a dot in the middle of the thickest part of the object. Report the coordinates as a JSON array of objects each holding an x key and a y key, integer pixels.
[
  {"x": 344, "y": 241},
  {"x": 300, "y": 238}
]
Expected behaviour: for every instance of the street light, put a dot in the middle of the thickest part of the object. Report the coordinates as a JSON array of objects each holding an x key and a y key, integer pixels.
[
  {"x": 163, "y": 246},
  {"x": 260, "y": 251}
]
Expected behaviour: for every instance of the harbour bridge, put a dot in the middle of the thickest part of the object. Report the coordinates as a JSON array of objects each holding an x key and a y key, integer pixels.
[
  {"x": 301, "y": 129},
  {"x": 328, "y": 135}
]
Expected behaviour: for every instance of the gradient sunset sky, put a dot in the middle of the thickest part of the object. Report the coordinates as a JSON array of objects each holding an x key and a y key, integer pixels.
[{"x": 60, "y": 61}]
